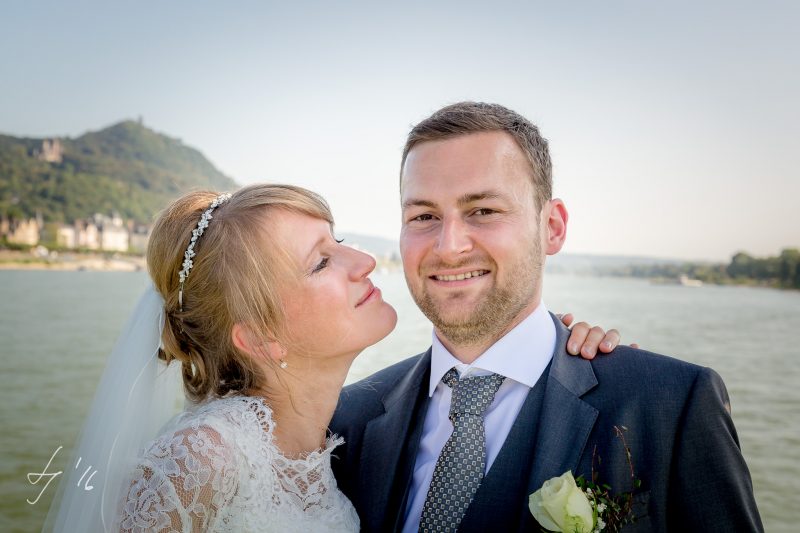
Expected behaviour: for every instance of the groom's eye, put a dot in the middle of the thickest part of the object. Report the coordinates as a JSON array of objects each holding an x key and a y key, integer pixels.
[{"x": 422, "y": 218}]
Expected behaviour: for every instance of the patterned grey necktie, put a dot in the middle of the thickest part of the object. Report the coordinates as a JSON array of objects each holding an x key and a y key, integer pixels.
[{"x": 459, "y": 468}]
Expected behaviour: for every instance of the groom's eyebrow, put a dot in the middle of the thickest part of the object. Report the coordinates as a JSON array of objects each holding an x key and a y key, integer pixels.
[
  {"x": 413, "y": 202},
  {"x": 463, "y": 200},
  {"x": 470, "y": 198}
]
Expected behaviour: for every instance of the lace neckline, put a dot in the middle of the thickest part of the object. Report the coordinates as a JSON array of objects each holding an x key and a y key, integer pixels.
[{"x": 259, "y": 412}]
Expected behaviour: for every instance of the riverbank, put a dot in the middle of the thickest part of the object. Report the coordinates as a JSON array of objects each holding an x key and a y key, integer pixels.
[
  {"x": 40, "y": 258},
  {"x": 70, "y": 261},
  {"x": 776, "y": 272}
]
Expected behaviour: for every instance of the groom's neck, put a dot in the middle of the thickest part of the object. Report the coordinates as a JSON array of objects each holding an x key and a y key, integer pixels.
[{"x": 468, "y": 352}]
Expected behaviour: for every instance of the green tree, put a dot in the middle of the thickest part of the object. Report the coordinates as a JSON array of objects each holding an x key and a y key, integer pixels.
[
  {"x": 789, "y": 268},
  {"x": 741, "y": 266}
]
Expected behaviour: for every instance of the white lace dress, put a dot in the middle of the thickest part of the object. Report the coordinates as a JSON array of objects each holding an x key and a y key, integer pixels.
[{"x": 217, "y": 468}]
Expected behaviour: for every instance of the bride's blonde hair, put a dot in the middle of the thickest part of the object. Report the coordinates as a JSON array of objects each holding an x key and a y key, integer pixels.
[{"x": 235, "y": 279}]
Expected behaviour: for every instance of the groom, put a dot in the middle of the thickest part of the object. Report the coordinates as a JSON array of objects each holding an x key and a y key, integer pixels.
[{"x": 459, "y": 436}]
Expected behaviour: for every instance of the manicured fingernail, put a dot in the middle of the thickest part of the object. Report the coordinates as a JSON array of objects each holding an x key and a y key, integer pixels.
[
  {"x": 573, "y": 349},
  {"x": 607, "y": 345}
]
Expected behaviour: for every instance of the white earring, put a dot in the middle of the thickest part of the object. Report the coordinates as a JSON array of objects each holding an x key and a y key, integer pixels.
[{"x": 283, "y": 364}]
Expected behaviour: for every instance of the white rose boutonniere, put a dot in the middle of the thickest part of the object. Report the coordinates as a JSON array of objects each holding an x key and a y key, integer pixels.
[
  {"x": 572, "y": 505},
  {"x": 560, "y": 505}
]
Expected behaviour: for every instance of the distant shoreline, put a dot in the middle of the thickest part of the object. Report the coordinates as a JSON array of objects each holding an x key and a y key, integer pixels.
[
  {"x": 71, "y": 261},
  {"x": 75, "y": 261}
]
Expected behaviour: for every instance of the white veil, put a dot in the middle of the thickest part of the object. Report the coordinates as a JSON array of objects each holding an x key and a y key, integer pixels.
[{"x": 136, "y": 396}]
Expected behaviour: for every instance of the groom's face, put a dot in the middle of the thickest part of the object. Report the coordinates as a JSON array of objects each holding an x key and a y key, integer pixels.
[{"x": 471, "y": 237}]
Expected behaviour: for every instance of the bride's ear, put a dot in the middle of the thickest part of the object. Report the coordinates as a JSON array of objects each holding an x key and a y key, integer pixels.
[{"x": 254, "y": 346}]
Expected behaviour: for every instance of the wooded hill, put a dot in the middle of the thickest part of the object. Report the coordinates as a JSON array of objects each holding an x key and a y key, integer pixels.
[{"x": 127, "y": 168}]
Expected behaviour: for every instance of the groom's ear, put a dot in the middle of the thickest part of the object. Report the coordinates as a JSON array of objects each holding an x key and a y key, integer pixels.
[
  {"x": 554, "y": 218},
  {"x": 254, "y": 346}
]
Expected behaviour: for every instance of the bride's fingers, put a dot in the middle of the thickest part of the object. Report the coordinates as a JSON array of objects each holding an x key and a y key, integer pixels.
[
  {"x": 578, "y": 336},
  {"x": 593, "y": 339},
  {"x": 610, "y": 341},
  {"x": 567, "y": 319}
]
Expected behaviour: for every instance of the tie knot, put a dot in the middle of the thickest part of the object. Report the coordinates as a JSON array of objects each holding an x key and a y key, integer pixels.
[{"x": 471, "y": 396}]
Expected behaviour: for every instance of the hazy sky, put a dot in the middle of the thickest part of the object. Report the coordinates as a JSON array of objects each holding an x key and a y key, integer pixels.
[{"x": 673, "y": 125}]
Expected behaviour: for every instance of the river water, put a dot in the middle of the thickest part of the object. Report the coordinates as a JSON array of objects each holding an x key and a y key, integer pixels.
[{"x": 56, "y": 329}]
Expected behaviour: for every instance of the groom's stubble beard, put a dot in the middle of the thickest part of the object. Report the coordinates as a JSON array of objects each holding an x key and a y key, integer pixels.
[{"x": 500, "y": 307}]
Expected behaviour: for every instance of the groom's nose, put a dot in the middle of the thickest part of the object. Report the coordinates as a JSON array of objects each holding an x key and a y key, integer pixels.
[{"x": 454, "y": 239}]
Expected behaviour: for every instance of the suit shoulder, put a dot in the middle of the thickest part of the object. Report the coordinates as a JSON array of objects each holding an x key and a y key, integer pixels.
[
  {"x": 626, "y": 355},
  {"x": 626, "y": 363},
  {"x": 655, "y": 385}
]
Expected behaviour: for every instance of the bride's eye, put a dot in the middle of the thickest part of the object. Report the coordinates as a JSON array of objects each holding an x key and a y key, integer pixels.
[{"x": 322, "y": 264}]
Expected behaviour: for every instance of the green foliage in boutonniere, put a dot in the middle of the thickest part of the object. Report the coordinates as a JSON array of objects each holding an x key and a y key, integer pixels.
[{"x": 572, "y": 505}]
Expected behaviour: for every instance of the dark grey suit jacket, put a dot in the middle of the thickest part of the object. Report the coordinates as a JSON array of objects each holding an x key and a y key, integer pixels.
[{"x": 683, "y": 443}]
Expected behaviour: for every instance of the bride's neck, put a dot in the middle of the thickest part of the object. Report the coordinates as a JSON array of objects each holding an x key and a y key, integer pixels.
[{"x": 303, "y": 397}]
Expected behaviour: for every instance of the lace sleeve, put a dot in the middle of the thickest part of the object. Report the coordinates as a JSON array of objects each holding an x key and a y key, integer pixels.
[{"x": 182, "y": 482}]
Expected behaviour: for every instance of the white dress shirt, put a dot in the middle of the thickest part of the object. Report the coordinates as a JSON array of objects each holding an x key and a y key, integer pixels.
[{"x": 521, "y": 356}]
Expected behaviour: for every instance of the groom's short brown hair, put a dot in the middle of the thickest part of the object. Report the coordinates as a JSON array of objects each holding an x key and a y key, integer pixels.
[{"x": 471, "y": 117}]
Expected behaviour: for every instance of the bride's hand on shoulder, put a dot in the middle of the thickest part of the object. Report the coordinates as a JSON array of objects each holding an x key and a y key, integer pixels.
[{"x": 588, "y": 340}]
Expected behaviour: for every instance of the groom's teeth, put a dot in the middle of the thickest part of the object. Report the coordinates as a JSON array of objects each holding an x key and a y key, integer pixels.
[{"x": 459, "y": 277}]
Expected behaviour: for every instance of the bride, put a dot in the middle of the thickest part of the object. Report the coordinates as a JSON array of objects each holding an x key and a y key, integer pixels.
[{"x": 262, "y": 313}]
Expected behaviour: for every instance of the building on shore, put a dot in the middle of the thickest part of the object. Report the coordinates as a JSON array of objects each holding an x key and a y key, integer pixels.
[
  {"x": 98, "y": 233},
  {"x": 23, "y": 231},
  {"x": 113, "y": 233},
  {"x": 138, "y": 236},
  {"x": 66, "y": 237},
  {"x": 87, "y": 236}
]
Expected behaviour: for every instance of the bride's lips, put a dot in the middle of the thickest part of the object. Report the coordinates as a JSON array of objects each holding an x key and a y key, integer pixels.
[{"x": 371, "y": 293}]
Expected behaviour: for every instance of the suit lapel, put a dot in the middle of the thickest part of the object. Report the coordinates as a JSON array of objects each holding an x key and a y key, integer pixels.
[
  {"x": 547, "y": 439},
  {"x": 387, "y": 447},
  {"x": 566, "y": 421}
]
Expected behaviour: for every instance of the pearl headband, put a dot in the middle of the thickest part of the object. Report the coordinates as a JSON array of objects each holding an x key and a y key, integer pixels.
[{"x": 196, "y": 233}]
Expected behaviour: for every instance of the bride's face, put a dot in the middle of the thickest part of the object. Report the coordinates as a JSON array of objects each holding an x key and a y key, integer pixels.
[{"x": 332, "y": 307}]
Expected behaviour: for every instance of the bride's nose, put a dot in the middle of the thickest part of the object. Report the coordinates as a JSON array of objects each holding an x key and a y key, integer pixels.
[{"x": 361, "y": 265}]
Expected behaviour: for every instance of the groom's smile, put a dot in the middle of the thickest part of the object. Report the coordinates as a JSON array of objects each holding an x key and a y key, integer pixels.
[
  {"x": 462, "y": 289},
  {"x": 459, "y": 276}
]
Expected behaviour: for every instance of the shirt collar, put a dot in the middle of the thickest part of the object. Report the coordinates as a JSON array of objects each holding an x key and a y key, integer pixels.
[{"x": 521, "y": 354}]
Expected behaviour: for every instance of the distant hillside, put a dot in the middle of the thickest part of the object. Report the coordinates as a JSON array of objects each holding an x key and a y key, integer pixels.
[
  {"x": 379, "y": 246},
  {"x": 127, "y": 168}
]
